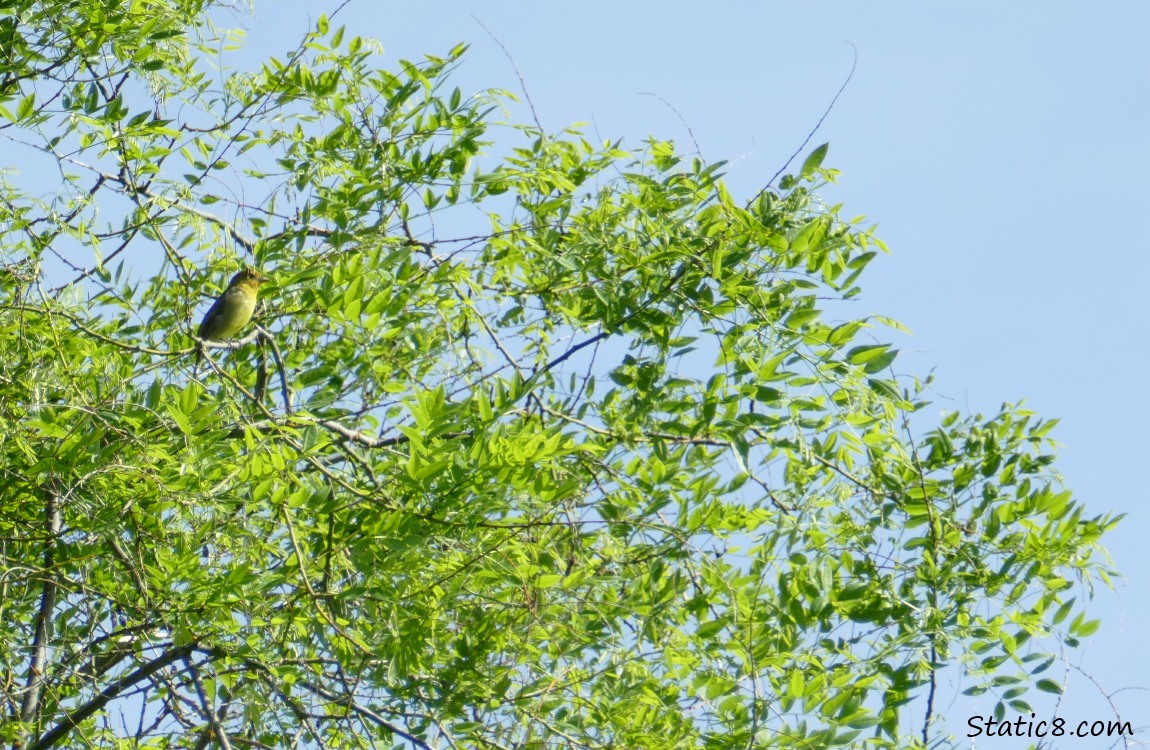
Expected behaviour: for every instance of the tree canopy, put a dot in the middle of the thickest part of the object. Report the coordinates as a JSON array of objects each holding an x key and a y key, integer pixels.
[{"x": 536, "y": 441}]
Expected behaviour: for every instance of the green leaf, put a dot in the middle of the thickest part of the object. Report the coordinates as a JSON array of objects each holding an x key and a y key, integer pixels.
[
  {"x": 885, "y": 388},
  {"x": 800, "y": 318},
  {"x": 873, "y": 358},
  {"x": 814, "y": 160},
  {"x": 26, "y": 107}
]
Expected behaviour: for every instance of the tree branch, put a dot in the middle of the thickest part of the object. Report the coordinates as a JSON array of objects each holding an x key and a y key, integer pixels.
[
  {"x": 39, "y": 661},
  {"x": 107, "y": 695}
]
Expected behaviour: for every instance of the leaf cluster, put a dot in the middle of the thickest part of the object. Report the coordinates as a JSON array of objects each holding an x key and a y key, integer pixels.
[{"x": 539, "y": 442}]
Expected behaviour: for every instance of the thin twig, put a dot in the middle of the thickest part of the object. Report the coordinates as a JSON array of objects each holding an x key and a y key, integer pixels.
[
  {"x": 515, "y": 67},
  {"x": 815, "y": 129},
  {"x": 683, "y": 120}
]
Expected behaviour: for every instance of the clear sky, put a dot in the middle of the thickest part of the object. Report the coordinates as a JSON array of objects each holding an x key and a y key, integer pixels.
[{"x": 1001, "y": 147}]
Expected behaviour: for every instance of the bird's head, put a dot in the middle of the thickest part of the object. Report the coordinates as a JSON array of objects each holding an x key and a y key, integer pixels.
[{"x": 248, "y": 277}]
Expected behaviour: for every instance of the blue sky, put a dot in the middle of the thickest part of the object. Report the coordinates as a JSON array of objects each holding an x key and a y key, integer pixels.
[{"x": 1001, "y": 148}]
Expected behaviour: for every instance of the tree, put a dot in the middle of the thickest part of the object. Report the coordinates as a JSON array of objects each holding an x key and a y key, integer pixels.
[{"x": 539, "y": 442}]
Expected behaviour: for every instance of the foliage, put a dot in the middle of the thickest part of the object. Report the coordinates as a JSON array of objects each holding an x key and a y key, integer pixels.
[{"x": 540, "y": 442}]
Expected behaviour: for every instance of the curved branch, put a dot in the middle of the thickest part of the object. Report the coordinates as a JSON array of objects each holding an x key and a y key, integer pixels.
[{"x": 107, "y": 695}]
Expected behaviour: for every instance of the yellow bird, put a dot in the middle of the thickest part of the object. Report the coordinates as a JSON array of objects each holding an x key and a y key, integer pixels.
[{"x": 233, "y": 310}]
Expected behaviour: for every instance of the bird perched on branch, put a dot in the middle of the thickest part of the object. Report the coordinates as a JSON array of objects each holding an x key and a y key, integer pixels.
[{"x": 233, "y": 310}]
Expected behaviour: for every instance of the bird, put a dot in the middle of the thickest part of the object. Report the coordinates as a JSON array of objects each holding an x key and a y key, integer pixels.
[{"x": 233, "y": 310}]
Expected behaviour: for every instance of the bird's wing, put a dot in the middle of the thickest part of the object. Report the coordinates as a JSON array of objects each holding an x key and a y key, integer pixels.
[{"x": 212, "y": 311}]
